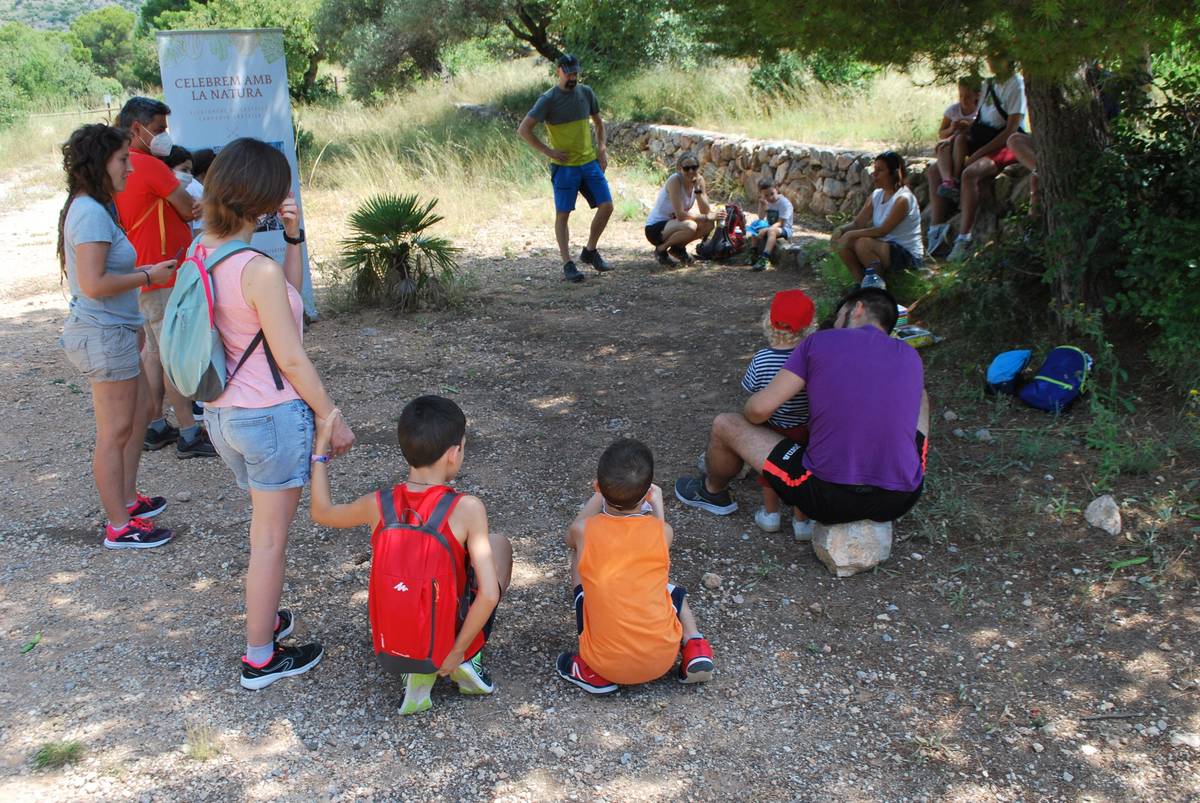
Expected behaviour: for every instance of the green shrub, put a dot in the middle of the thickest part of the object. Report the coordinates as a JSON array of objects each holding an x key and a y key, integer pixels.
[
  {"x": 57, "y": 754},
  {"x": 391, "y": 261}
]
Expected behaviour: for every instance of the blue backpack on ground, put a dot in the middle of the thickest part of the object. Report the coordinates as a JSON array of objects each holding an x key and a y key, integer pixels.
[
  {"x": 1059, "y": 381},
  {"x": 190, "y": 346},
  {"x": 1005, "y": 368}
]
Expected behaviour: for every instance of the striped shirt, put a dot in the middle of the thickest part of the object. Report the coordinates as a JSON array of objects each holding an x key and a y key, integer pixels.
[{"x": 760, "y": 372}]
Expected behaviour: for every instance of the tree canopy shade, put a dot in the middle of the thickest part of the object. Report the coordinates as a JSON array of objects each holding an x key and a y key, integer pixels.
[{"x": 1052, "y": 40}]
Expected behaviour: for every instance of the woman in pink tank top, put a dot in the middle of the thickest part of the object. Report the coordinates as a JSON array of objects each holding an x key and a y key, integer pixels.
[{"x": 262, "y": 425}]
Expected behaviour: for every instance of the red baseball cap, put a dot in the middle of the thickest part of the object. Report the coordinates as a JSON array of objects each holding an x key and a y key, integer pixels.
[{"x": 791, "y": 310}]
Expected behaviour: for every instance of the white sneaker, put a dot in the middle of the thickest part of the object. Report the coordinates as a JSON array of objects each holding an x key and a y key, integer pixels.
[
  {"x": 960, "y": 251},
  {"x": 767, "y": 522},
  {"x": 937, "y": 237},
  {"x": 802, "y": 530}
]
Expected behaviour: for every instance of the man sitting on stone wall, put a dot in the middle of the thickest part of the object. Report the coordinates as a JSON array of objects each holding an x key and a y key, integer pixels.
[{"x": 869, "y": 419}]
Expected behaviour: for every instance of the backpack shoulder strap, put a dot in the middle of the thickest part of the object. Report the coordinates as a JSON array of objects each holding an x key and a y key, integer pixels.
[
  {"x": 442, "y": 510},
  {"x": 387, "y": 508},
  {"x": 991, "y": 91},
  {"x": 226, "y": 250}
]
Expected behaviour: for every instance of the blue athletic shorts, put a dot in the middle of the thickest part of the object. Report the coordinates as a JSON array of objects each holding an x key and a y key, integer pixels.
[{"x": 587, "y": 180}]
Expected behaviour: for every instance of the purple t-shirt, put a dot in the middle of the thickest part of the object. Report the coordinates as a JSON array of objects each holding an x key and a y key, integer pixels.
[{"x": 864, "y": 396}]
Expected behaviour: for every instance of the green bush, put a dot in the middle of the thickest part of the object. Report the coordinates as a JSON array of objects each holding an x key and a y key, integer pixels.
[
  {"x": 45, "y": 69},
  {"x": 391, "y": 261},
  {"x": 1154, "y": 206}
]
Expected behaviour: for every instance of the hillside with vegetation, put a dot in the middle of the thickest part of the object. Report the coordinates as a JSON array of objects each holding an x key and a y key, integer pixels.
[{"x": 56, "y": 14}]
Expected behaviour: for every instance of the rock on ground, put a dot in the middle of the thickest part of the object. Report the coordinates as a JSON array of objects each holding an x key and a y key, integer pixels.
[
  {"x": 1104, "y": 513},
  {"x": 848, "y": 549}
]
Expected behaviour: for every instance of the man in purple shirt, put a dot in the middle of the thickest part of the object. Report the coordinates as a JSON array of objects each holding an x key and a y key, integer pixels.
[{"x": 869, "y": 417}]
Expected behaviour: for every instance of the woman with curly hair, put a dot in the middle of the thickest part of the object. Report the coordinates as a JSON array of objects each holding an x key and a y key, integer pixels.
[{"x": 100, "y": 335}]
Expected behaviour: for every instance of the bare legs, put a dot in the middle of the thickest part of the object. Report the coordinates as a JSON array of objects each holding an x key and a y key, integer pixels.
[
  {"x": 271, "y": 516},
  {"x": 562, "y": 232},
  {"x": 863, "y": 252},
  {"x": 120, "y": 409},
  {"x": 972, "y": 179}
]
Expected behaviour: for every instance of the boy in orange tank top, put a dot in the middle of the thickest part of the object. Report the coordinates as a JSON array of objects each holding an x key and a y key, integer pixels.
[
  {"x": 432, "y": 435},
  {"x": 632, "y": 621}
]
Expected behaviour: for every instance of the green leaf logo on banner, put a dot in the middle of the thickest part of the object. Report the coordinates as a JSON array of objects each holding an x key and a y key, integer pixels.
[
  {"x": 272, "y": 48},
  {"x": 219, "y": 46}
]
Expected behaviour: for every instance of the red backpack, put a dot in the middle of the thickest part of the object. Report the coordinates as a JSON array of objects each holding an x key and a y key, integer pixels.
[
  {"x": 419, "y": 591},
  {"x": 735, "y": 227}
]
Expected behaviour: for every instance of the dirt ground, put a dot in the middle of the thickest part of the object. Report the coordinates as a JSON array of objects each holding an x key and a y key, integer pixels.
[{"x": 996, "y": 656}]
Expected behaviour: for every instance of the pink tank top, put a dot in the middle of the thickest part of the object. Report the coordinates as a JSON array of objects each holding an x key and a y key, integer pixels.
[{"x": 252, "y": 386}]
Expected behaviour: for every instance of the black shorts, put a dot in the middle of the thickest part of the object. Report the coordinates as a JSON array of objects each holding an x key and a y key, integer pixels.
[
  {"x": 678, "y": 593},
  {"x": 830, "y": 502},
  {"x": 654, "y": 232},
  {"x": 902, "y": 258}
]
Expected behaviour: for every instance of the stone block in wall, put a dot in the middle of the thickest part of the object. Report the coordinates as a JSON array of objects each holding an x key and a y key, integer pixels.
[
  {"x": 851, "y": 204},
  {"x": 781, "y": 172},
  {"x": 827, "y": 158},
  {"x": 844, "y": 160},
  {"x": 834, "y": 188},
  {"x": 822, "y": 204}
]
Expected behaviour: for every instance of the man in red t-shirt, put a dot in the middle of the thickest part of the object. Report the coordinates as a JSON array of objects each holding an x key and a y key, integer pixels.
[{"x": 154, "y": 210}]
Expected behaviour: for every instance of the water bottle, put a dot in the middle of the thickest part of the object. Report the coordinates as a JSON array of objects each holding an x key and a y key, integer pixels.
[{"x": 872, "y": 279}]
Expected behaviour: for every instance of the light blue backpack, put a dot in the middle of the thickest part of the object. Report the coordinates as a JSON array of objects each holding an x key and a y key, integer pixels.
[{"x": 190, "y": 346}]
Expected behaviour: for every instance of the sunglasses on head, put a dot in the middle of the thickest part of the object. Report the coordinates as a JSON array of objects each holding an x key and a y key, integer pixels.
[{"x": 690, "y": 168}]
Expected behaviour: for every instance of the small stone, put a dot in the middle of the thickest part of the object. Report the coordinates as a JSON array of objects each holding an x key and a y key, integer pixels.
[
  {"x": 738, "y": 599},
  {"x": 1185, "y": 739},
  {"x": 917, "y": 556},
  {"x": 1165, "y": 646},
  {"x": 1068, "y": 777},
  {"x": 983, "y": 435},
  {"x": 558, "y": 751},
  {"x": 887, "y": 638},
  {"x": 959, "y": 432},
  {"x": 711, "y": 581},
  {"x": 626, "y": 758},
  {"x": 745, "y": 536},
  {"x": 183, "y": 496},
  {"x": 1104, "y": 513},
  {"x": 949, "y": 415},
  {"x": 1048, "y": 478},
  {"x": 1088, "y": 749},
  {"x": 857, "y": 546},
  {"x": 1151, "y": 732},
  {"x": 1037, "y": 747},
  {"x": 815, "y": 607}
]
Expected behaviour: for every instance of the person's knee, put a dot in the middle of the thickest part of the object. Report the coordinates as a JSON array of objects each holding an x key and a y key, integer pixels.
[
  {"x": 561, "y": 217},
  {"x": 864, "y": 248},
  {"x": 605, "y": 208},
  {"x": 502, "y": 556},
  {"x": 725, "y": 425},
  {"x": 701, "y": 227},
  {"x": 933, "y": 175}
]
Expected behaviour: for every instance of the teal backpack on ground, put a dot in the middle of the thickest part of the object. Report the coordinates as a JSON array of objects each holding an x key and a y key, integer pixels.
[
  {"x": 190, "y": 346},
  {"x": 1059, "y": 380}
]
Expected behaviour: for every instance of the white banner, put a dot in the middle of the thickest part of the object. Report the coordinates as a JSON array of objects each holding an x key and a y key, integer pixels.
[{"x": 222, "y": 85}]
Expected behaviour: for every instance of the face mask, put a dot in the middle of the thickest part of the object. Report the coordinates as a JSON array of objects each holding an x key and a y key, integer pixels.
[
  {"x": 184, "y": 178},
  {"x": 161, "y": 144}
]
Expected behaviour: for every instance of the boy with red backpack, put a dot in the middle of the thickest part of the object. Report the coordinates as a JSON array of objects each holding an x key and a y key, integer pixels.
[
  {"x": 436, "y": 573},
  {"x": 633, "y": 623}
]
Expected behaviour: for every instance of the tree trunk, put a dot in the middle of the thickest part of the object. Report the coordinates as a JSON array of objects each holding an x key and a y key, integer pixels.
[
  {"x": 1069, "y": 132},
  {"x": 310, "y": 75},
  {"x": 530, "y": 23}
]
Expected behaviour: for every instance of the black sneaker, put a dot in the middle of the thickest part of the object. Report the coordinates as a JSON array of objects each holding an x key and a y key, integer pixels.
[
  {"x": 760, "y": 264},
  {"x": 286, "y": 662},
  {"x": 664, "y": 258},
  {"x": 571, "y": 273},
  {"x": 594, "y": 259},
  {"x": 147, "y": 507},
  {"x": 680, "y": 253},
  {"x": 155, "y": 440},
  {"x": 691, "y": 491},
  {"x": 137, "y": 534},
  {"x": 198, "y": 410},
  {"x": 200, "y": 446},
  {"x": 286, "y": 624}
]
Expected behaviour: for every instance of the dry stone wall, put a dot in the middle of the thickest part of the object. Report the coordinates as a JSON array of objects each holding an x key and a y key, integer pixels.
[{"x": 820, "y": 181}]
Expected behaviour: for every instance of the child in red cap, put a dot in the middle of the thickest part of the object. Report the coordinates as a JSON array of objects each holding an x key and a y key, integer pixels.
[{"x": 788, "y": 321}]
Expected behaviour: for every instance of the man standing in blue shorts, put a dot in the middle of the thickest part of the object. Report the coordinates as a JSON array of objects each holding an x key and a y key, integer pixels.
[{"x": 577, "y": 165}]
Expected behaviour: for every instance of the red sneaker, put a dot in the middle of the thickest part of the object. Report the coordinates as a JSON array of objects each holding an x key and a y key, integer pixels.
[
  {"x": 696, "y": 666},
  {"x": 137, "y": 534},
  {"x": 147, "y": 507},
  {"x": 571, "y": 668}
]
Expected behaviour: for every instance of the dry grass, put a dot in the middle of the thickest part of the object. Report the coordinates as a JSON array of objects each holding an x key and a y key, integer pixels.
[{"x": 202, "y": 743}]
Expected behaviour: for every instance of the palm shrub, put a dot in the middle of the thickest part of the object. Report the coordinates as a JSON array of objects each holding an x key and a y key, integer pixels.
[{"x": 391, "y": 262}]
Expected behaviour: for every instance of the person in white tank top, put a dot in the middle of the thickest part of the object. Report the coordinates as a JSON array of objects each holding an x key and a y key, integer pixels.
[
  {"x": 886, "y": 233},
  {"x": 672, "y": 224}
]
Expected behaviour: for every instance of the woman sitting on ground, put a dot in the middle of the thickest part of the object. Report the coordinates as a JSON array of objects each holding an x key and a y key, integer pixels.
[
  {"x": 262, "y": 424},
  {"x": 100, "y": 336},
  {"x": 893, "y": 238},
  {"x": 672, "y": 224}
]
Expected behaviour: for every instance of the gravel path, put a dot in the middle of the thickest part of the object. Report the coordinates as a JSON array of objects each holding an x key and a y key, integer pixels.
[{"x": 962, "y": 671}]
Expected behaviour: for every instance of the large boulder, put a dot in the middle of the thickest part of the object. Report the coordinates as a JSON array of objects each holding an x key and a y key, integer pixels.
[{"x": 848, "y": 549}]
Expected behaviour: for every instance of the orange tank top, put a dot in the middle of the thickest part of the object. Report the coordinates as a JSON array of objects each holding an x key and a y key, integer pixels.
[{"x": 630, "y": 631}]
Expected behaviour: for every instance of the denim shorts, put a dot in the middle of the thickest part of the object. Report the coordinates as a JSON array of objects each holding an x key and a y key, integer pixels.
[
  {"x": 267, "y": 448},
  {"x": 102, "y": 353}
]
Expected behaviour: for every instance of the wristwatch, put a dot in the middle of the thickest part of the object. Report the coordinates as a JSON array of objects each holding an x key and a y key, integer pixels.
[{"x": 296, "y": 241}]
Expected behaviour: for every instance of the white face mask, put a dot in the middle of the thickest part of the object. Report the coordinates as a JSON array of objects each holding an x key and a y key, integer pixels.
[
  {"x": 184, "y": 178},
  {"x": 161, "y": 144}
]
